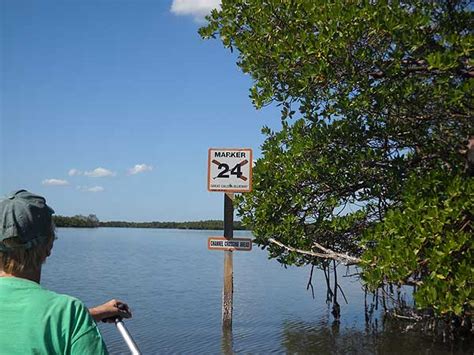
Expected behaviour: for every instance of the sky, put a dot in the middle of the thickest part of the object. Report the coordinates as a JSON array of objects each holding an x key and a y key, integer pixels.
[{"x": 109, "y": 107}]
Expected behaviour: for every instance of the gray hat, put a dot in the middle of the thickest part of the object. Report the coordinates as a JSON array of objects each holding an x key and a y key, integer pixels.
[{"x": 25, "y": 216}]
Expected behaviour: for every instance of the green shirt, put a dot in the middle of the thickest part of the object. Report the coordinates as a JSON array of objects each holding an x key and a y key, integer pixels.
[{"x": 34, "y": 320}]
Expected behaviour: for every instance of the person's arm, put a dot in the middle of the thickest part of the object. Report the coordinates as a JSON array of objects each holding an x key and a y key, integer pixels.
[
  {"x": 85, "y": 337},
  {"x": 110, "y": 310}
]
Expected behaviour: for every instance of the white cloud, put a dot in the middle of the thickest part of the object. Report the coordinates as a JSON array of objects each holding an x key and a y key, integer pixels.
[
  {"x": 90, "y": 188},
  {"x": 54, "y": 182},
  {"x": 139, "y": 168},
  {"x": 95, "y": 189},
  {"x": 99, "y": 172},
  {"x": 74, "y": 172},
  {"x": 196, "y": 8}
]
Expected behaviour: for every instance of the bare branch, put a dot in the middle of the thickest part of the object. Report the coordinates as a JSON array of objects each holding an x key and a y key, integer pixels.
[
  {"x": 328, "y": 254},
  {"x": 399, "y": 316}
]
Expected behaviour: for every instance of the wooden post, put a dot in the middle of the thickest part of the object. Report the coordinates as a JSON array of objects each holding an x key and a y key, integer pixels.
[{"x": 228, "y": 291}]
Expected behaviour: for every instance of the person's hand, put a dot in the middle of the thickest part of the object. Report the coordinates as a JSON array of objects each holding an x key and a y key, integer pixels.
[{"x": 111, "y": 310}]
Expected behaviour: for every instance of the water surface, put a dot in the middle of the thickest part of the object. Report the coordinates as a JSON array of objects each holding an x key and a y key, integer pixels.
[{"x": 173, "y": 284}]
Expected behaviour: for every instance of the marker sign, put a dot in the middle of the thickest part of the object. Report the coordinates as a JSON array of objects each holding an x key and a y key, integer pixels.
[
  {"x": 221, "y": 243},
  {"x": 229, "y": 170}
]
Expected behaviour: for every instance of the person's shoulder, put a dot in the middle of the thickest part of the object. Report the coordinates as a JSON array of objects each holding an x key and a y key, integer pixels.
[
  {"x": 84, "y": 335},
  {"x": 63, "y": 301},
  {"x": 58, "y": 297}
]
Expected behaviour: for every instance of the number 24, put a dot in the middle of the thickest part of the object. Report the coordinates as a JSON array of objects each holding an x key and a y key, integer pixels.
[{"x": 225, "y": 173}]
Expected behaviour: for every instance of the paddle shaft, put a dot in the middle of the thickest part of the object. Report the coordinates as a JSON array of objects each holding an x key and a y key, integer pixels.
[{"x": 127, "y": 337}]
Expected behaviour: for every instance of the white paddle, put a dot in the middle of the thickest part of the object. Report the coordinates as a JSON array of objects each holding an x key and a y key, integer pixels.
[{"x": 127, "y": 337}]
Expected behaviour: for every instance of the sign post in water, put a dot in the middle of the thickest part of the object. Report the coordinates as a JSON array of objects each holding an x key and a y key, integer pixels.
[{"x": 229, "y": 171}]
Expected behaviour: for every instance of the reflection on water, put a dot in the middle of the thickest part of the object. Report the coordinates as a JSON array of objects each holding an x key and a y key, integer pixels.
[
  {"x": 174, "y": 286},
  {"x": 386, "y": 337},
  {"x": 227, "y": 344}
]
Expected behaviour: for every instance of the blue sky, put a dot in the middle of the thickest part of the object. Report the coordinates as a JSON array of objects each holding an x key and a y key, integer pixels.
[{"x": 109, "y": 107}]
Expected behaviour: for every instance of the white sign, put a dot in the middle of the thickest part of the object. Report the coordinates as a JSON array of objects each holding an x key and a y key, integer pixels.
[
  {"x": 221, "y": 243},
  {"x": 229, "y": 170}
]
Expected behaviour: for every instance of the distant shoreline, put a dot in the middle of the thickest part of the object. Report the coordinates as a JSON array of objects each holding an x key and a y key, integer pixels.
[
  {"x": 195, "y": 229},
  {"x": 92, "y": 221}
]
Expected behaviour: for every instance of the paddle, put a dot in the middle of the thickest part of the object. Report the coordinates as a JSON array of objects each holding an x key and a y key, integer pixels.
[
  {"x": 127, "y": 337},
  {"x": 124, "y": 332}
]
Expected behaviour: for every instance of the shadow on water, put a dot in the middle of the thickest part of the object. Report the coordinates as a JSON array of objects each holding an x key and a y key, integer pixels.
[{"x": 383, "y": 337}]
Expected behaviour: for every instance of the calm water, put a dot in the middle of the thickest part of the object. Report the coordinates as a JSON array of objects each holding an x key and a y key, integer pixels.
[{"x": 174, "y": 284}]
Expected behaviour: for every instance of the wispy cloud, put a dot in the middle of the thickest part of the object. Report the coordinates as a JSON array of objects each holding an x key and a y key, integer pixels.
[
  {"x": 196, "y": 8},
  {"x": 54, "y": 182},
  {"x": 139, "y": 168},
  {"x": 99, "y": 172},
  {"x": 90, "y": 188},
  {"x": 95, "y": 189},
  {"x": 74, "y": 172}
]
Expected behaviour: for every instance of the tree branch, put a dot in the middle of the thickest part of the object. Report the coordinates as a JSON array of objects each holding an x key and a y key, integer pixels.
[{"x": 328, "y": 253}]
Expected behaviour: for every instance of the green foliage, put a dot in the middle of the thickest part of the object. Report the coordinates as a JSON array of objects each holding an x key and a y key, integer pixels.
[
  {"x": 77, "y": 221},
  {"x": 427, "y": 241},
  {"x": 370, "y": 93},
  {"x": 382, "y": 90}
]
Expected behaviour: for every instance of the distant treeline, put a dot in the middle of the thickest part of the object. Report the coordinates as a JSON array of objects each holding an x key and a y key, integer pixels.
[{"x": 91, "y": 221}]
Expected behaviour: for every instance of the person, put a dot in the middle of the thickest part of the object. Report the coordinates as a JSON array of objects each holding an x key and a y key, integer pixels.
[{"x": 34, "y": 320}]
